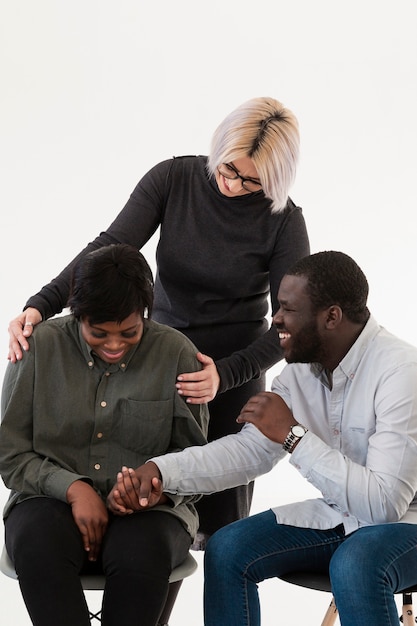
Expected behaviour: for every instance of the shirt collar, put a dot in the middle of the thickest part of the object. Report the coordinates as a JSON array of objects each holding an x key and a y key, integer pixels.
[{"x": 350, "y": 362}]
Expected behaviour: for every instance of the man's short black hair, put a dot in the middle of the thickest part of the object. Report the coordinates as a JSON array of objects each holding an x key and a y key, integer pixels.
[{"x": 335, "y": 278}]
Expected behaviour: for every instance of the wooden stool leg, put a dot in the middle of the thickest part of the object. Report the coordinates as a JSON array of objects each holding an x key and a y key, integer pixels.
[
  {"x": 407, "y": 611},
  {"x": 331, "y": 614}
]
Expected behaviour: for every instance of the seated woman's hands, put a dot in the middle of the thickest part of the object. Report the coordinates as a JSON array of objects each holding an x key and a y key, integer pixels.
[
  {"x": 136, "y": 490},
  {"x": 90, "y": 515},
  {"x": 19, "y": 330},
  {"x": 202, "y": 386}
]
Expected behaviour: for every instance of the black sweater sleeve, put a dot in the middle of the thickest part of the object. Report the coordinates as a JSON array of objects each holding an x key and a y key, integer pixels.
[
  {"x": 53, "y": 297},
  {"x": 251, "y": 362},
  {"x": 135, "y": 224}
]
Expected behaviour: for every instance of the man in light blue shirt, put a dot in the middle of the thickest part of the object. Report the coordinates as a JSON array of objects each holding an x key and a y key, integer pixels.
[{"x": 345, "y": 409}]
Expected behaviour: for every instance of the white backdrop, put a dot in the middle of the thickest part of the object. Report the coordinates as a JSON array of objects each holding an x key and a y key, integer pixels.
[{"x": 94, "y": 92}]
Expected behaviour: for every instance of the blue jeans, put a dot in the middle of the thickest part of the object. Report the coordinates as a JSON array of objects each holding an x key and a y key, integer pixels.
[{"x": 366, "y": 568}]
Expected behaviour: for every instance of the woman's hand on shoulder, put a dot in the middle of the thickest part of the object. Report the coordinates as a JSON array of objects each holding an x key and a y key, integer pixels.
[
  {"x": 20, "y": 328},
  {"x": 202, "y": 386}
]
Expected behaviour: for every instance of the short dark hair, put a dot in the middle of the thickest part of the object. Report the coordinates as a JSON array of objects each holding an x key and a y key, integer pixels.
[
  {"x": 335, "y": 278},
  {"x": 110, "y": 284}
]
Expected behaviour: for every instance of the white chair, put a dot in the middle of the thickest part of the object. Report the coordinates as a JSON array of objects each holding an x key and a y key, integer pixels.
[{"x": 96, "y": 583}]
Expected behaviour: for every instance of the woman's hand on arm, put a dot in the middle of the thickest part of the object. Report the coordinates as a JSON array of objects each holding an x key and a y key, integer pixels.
[
  {"x": 90, "y": 515},
  {"x": 201, "y": 386},
  {"x": 20, "y": 328}
]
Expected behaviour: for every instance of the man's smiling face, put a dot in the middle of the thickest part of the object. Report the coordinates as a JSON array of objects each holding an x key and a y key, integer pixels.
[{"x": 296, "y": 322}]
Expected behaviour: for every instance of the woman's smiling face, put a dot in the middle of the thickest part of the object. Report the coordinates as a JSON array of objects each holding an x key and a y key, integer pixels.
[
  {"x": 233, "y": 187},
  {"x": 112, "y": 340}
]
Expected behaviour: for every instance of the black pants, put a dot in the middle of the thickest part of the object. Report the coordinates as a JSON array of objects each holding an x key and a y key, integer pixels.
[
  {"x": 138, "y": 554},
  {"x": 219, "y": 341}
]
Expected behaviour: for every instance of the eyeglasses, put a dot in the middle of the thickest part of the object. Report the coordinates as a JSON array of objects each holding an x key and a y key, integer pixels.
[{"x": 228, "y": 171}]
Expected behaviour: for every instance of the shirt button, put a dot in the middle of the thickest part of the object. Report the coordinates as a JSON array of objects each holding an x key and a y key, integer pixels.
[
  {"x": 103, "y": 403},
  {"x": 122, "y": 365},
  {"x": 90, "y": 363},
  {"x": 335, "y": 431},
  {"x": 99, "y": 435},
  {"x": 97, "y": 466},
  {"x": 107, "y": 374}
]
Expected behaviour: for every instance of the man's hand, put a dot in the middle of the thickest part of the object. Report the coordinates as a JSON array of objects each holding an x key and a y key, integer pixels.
[
  {"x": 19, "y": 329},
  {"x": 202, "y": 386},
  {"x": 268, "y": 412},
  {"x": 136, "y": 490},
  {"x": 90, "y": 515}
]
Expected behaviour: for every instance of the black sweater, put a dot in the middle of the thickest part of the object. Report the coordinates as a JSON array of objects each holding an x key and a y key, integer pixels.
[{"x": 219, "y": 260}]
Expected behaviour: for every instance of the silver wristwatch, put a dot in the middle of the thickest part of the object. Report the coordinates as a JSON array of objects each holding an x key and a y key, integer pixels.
[{"x": 297, "y": 431}]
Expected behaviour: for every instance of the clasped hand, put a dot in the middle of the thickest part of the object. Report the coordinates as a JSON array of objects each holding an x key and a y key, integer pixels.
[
  {"x": 136, "y": 490},
  {"x": 133, "y": 491}
]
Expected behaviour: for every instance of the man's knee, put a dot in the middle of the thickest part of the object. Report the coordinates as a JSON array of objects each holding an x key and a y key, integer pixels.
[
  {"x": 222, "y": 545},
  {"x": 355, "y": 557}
]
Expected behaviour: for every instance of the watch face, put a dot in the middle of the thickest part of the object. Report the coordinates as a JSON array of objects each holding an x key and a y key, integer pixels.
[{"x": 298, "y": 430}]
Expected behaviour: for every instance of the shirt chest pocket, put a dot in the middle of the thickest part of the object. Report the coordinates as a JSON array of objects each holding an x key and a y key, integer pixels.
[
  {"x": 145, "y": 427},
  {"x": 356, "y": 442}
]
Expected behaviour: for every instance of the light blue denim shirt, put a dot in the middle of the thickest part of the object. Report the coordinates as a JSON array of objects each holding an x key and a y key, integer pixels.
[{"x": 360, "y": 451}]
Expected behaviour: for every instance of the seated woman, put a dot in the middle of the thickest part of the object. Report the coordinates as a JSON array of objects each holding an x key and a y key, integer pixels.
[{"x": 94, "y": 394}]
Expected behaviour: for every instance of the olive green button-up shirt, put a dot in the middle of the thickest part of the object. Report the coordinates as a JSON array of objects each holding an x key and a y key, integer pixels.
[{"x": 67, "y": 415}]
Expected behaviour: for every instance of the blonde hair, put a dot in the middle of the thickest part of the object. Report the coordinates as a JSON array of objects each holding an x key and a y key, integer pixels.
[{"x": 267, "y": 132}]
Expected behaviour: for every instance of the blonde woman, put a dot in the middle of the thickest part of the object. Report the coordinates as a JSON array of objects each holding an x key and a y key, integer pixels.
[{"x": 228, "y": 233}]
